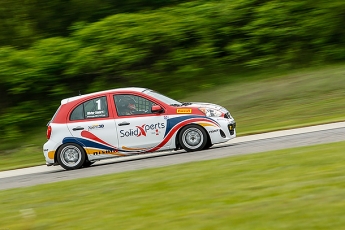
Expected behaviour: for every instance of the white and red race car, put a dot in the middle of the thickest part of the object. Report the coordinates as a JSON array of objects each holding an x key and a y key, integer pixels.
[{"x": 126, "y": 121}]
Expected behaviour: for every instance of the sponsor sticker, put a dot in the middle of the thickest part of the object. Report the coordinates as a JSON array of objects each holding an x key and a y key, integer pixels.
[
  {"x": 106, "y": 152},
  {"x": 96, "y": 126},
  {"x": 184, "y": 111},
  {"x": 143, "y": 130},
  {"x": 213, "y": 131},
  {"x": 93, "y": 114}
]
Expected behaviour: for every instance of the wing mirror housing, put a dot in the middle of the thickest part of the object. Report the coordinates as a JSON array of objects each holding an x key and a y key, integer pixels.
[{"x": 156, "y": 109}]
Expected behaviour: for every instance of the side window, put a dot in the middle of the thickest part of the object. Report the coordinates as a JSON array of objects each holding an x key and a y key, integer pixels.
[
  {"x": 91, "y": 109},
  {"x": 96, "y": 108},
  {"x": 78, "y": 113},
  {"x": 132, "y": 105}
]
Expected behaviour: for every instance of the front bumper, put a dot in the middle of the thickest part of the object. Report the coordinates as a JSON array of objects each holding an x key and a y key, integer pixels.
[
  {"x": 232, "y": 128},
  {"x": 226, "y": 131}
]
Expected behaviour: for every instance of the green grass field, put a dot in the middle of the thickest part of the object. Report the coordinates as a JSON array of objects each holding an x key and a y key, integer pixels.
[
  {"x": 259, "y": 103},
  {"x": 300, "y": 188},
  {"x": 278, "y": 101}
]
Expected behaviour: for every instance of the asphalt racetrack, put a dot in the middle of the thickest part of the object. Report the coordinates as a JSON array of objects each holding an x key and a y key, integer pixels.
[{"x": 241, "y": 145}]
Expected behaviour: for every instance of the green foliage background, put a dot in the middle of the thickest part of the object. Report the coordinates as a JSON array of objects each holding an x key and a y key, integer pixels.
[{"x": 50, "y": 50}]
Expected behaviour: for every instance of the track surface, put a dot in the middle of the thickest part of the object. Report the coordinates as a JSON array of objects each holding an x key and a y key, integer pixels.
[{"x": 242, "y": 145}]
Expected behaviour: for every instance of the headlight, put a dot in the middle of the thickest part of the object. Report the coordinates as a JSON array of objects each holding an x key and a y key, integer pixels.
[
  {"x": 211, "y": 112},
  {"x": 228, "y": 115}
]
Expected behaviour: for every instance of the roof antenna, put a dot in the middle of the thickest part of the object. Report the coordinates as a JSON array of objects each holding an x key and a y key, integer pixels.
[{"x": 79, "y": 93}]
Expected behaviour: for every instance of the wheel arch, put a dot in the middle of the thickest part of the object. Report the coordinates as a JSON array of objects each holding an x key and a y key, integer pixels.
[
  {"x": 177, "y": 144},
  {"x": 55, "y": 155},
  {"x": 76, "y": 143}
]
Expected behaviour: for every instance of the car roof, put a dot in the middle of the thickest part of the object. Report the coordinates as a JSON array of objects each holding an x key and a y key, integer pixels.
[{"x": 133, "y": 89}]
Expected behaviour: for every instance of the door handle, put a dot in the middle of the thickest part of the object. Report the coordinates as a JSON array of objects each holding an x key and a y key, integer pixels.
[
  {"x": 124, "y": 123},
  {"x": 78, "y": 128}
]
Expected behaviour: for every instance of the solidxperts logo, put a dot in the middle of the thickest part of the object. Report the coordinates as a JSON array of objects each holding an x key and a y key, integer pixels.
[{"x": 142, "y": 130}]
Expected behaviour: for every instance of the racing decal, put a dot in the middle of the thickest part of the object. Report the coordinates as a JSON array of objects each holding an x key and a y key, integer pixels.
[
  {"x": 96, "y": 127},
  {"x": 197, "y": 119},
  {"x": 184, "y": 111},
  {"x": 87, "y": 143},
  {"x": 94, "y": 114},
  {"x": 213, "y": 131},
  {"x": 133, "y": 149},
  {"x": 173, "y": 125},
  {"x": 94, "y": 151},
  {"x": 91, "y": 136},
  {"x": 94, "y": 145},
  {"x": 93, "y": 148},
  {"x": 139, "y": 131},
  {"x": 178, "y": 123},
  {"x": 142, "y": 130},
  {"x": 90, "y": 141},
  {"x": 51, "y": 154},
  {"x": 204, "y": 124}
]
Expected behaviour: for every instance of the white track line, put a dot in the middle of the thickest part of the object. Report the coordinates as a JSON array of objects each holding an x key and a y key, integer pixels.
[
  {"x": 289, "y": 132},
  {"x": 44, "y": 168}
]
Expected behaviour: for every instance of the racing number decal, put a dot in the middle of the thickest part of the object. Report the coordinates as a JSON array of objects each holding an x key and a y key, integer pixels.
[{"x": 98, "y": 102}]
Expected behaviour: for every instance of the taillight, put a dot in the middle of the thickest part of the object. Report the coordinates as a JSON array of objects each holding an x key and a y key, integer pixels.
[{"x": 49, "y": 132}]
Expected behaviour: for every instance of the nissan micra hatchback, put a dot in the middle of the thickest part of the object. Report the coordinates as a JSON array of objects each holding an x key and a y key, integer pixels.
[{"x": 126, "y": 121}]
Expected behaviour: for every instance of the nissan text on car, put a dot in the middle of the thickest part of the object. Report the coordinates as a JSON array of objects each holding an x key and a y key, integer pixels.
[{"x": 126, "y": 121}]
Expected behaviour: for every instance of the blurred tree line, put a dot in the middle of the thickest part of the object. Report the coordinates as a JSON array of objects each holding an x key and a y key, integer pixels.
[
  {"x": 50, "y": 50},
  {"x": 25, "y": 21}
]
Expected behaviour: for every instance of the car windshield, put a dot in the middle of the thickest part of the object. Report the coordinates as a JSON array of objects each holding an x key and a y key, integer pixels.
[{"x": 163, "y": 98}]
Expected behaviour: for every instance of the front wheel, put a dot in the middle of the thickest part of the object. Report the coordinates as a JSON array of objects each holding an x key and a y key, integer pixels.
[
  {"x": 193, "y": 138},
  {"x": 71, "y": 156},
  {"x": 88, "y": 163},
  {"x": 208, "y": 144}
]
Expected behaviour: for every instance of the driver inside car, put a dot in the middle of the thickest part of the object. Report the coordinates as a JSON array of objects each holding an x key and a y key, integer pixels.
[{"x": 126, "y": 106}]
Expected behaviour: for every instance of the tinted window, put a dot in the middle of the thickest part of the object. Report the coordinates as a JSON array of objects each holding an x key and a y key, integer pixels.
[
  {"x": 132, "y": 105},
  {"x": 91, "y": 109},
  {"x": 96, "y": 108},
  {"x": 78, "y": 113}
]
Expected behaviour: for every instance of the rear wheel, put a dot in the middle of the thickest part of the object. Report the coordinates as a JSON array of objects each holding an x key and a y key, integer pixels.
[
  {"x": 71, "y": 156},
  {"x": 193, "y": 138}
]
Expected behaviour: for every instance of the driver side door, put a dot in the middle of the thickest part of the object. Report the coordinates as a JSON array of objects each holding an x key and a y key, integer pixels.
[{"x": 141, "y": 129}]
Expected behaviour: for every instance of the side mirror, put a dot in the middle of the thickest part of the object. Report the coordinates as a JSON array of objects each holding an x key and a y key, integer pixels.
[{"x": 156, "y": 109}]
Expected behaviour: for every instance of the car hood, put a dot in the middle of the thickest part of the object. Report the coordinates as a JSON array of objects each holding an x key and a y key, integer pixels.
[{"x": 207, "y": 105}]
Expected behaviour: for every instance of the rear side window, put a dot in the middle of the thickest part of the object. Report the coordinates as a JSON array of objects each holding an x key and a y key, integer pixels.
[
  {"x": 78, "y": 113},
  {"x": 94, "y": 108}
]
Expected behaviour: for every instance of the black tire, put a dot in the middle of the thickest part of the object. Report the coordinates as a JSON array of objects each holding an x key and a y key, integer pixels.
[
  {"x": 88, "y": 163},
  {"x": 71, "y": 156},
  {"x": 193, "y": 138},
  {"x": 208, "y": 144}
]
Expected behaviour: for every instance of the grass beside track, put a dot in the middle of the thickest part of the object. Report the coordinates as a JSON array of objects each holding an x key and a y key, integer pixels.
[
  {"x": 260, "y": 103},
  {"x": 300, "y": 188},
  {"x": 272, "y": 102}
]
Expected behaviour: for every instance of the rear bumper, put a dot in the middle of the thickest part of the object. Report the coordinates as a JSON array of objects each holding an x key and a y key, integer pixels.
[{"x": 49, "y": 150}]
